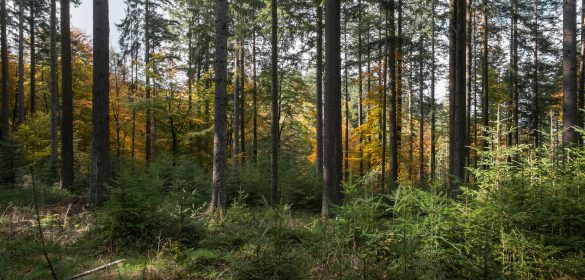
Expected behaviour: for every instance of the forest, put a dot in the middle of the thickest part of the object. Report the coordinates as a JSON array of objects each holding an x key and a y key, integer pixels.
[{"x": 293, "y": 139}]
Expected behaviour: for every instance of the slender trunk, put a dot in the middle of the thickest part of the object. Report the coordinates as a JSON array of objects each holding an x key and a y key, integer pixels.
[
  {"x": 319, "y": 90},
  {"x": 100, "y": 160},
  {"x": 514, "y": 134},
  {"x": 433, "y": 108},
  {"x": 570, "y": 113},
  {"x": 148, "y": 131},
  {"x": 33, "y": 64},
  {"x": 154, "y": 101},
  {"x": 411, "y": 162},
  {"x": 346, "y": 87},
  {"x": 535, "y": 86},
  {"x": 190, "y": 61},
  {"x": 399, "y": 85},
  {"x": 20, "y": 92},
  {"x": 53, "y": 83},
  {"x": 67, "y": 176},
  {"x": 332, "y": 146},
  {"x": 360, "y": 88},
  {"x": 468, "y": 76},
  {"x": 218, "y": 196},
  {"x": 384, "y": 80},
  {"x": 392, "y": 111},
  {"x": 485, "y": 117},
  {"x": 242, "y": 105},
  {"x": 254, "y": 103},
  {"x": 5, "y": 81},
  {"x": 236, "y": 109},
  {"x": 421, "y": 131},
  {"x": 274, "y": 104},
  {"x": 581, "y": 97}
]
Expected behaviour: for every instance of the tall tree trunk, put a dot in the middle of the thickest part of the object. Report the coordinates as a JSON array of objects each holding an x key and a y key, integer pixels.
[
  {"x": 485, "y": 117},
  {"x": 392, "y": 111},
  {"x": 399, "y": 84},
  {"x": 468, "y": 76},
  {"x": 5, "y": 81},
  {"x": 242, "y": 104},
  {"x": 53, "y": 83},
  {"x": 457, "y": 69},
  {"x": 218, "y": 196},
  {"x": 100, "y": 151},
  {"x": 360, "y": 88},
  {"x": 147, "y": 34},
  {"x": 383, "y": 76},
  {"x": 67, "y": 175},
  {"x": 332, "y": 147},
  {"x": 411, "y": 162},
  {"x": 274, "y": 104},
  {"x": 421, "y": 128},
  {"x": 319, "y": 90},
  {"x": 236, "y": 109},
  {"x": 514, "y": 134},
  {"x": 190, "y": 60},
  {"x": 535, "y": 84},
  {"x": 346, "y": 87},
  {"x": 433, "y": 108},
  {"x": 33, "y": 64},
  {"x": 581, "y": 119},
  {"x": 254, "y": 102},
  {"x": 20, "y": 92},
  {"x": 570, "y": 113}
]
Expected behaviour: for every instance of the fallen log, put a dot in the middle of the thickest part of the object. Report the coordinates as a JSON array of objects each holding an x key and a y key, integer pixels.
[{"x": 96, "y": 269}]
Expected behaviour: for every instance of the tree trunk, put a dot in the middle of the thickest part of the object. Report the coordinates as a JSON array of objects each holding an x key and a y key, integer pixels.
[
  {"x": 485, "y": 117},
  {"x": 67, "y": 175},
  {"x": 360, "y": 88},
  {"x": 332, "y": 147},
  {"x": 242, "y": 105},
  {"x": 274, "y": 104},
  {"x": 514, "y": 134},
  {"x": 421, "y": 130},
  {"x": 319, "y": 90},
  {"x": 411, "y": 162},
  {"x": 581, "y": 118},
  {"x": 570, "y": 113},
  {"x": 433, "y": 109},
  {"x": 20, "y": 92},
  {"x": 468, "y": 76},
  {"x": 236, "y": 109},
  {"x": 535, "y": 84},
  {"x": 54, "y": 83},
  {"x": 5, "y": 81},
  {"x": 383, "y": 76},
  {"x": 392, "y": 111},
  {"x": 33, "y": 64},
  {"x": 100, "y": 152},
  {"x": 457, "y": 114},
  {"x": 218, "y": 196},
  {"x": 147, "y": 33},
  {"x": 254, "y": 103},
  {"x": 346, "y": 87},
  {"x": 399, "y": 85}
]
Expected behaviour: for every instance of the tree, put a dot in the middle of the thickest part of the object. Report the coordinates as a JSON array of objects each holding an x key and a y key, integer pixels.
[
  {"x": 67, "y": 175},
  {"x": 100, "y": 152},
  {"x": 421, "y": 130},
  {"x": 53, "y": 82},
  {"x": 457, "y": 114},
  {"x": 32, "y": 27},
  {"x": 393, "y": 109},
  {"x": 485, "y": 117},
  {"x": 218, "y": 196},
  {"x": 274, "y": 103},
  {"x": 319, "y": 89},
  {"x": 5, "y": 80},
  {"x": 433, "y": 106},
  {"x": 332, "y": 145},
  {"x": 147, "y": 54},
  {"x": 570, "y": 113},
  {"x": 20, "y": 91}
]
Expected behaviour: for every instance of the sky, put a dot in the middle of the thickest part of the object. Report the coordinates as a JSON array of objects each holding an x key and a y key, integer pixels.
[{"x": 82, "y": 18}]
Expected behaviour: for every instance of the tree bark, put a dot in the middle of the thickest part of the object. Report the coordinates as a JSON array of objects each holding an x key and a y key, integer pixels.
[
  {"x": 147, "y": 33},
  {"x": 33, "y": 64},
  {"x": 5, "y": 81},
  {"x": 570, "y": 113},
  {"x": 242, "y": 104},
  {"x": 218, "y": 196},
  {"x": 254, "y": 103},
  {"x": 319, "y": 90},
  {"x": 20, "y": 91},
  {"x": 392, "y": 110},
  {"x": 535, "y": 83},
  {"x": 274, "y": 104},
  {"x": 433, "y": 107},
  {"x": 332, "y": 147},
  {"x": 581, "y": 107},
  {"x": 514, "y": 133},
  {"x": 67, "y": 175},
  {"x": 485, "y": 117},
  {"x": 383, "y": 76},
  {"x": 346, "y": 88},
  {"x": 457, "y": 114},
  {"x": 421, "y": 130},
  {"x": 360, "y": 88},
  {"x": 100, "y": 154},
  {"x": 53, "y": 83}
]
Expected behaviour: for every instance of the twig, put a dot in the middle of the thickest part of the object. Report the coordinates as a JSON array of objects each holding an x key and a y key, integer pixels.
[
  {"x": 66, "y": 213},
  {"x": 32, "y": 178},
  {"x": 96, "y": 269}
]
